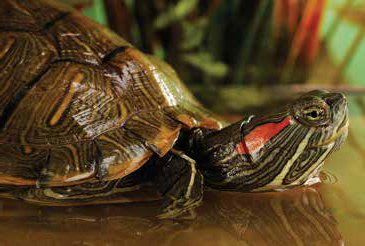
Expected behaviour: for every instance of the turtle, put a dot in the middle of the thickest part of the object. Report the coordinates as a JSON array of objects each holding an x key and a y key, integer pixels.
[{"x": 87, "y": 118}]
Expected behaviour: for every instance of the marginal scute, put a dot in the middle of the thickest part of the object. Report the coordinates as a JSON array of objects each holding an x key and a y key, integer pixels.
[
  {"x": 20, "y": 167},
  {"x": 122, "y": 153},
  {"x": 193, "y": 116},
  {"x": 69, "y": 164}
]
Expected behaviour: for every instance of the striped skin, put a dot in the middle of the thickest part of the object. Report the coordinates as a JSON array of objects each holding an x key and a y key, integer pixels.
[
  {"x": 275, "y": 151},
  {"x": 80, "y": 104}
]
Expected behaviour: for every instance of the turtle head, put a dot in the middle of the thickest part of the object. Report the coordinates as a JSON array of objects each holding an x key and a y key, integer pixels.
[{"x": 279, "y": 150}]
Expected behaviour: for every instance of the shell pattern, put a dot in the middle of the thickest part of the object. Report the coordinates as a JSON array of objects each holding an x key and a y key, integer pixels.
[{"x": 78, "y": 103}]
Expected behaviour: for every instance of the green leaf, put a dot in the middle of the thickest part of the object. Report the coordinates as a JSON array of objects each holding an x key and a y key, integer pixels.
[
  {"x": 206, "y": 63},
  {"x": 194, "y": 33},
  {"x": 94, "y": 9},
  {"x": 175, "y": 13},
  {"x": 97, "y": 12}
]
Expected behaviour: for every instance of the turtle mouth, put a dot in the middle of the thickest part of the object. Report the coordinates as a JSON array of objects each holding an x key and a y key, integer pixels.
[{"x": 339, "y": 134}]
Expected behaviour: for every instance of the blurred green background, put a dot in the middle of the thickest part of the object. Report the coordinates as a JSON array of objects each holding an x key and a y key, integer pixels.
[{"x": 251, "y": 42}]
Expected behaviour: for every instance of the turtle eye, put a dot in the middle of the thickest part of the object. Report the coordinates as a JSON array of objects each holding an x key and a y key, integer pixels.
[
  {"x": 312, "y": 111},
  {"x": 314, "y": 114}
]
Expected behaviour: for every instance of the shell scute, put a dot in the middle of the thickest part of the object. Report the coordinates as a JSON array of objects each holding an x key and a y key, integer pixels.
[
  {"x": 78, "y": 103},
  {"x": 71, "y": 102},
  {"x": 82, "y": 40},
  {"x": 24, "y": 57},
  {"x": 122, "y": 152},
  {"x": 30, "y": 15}
]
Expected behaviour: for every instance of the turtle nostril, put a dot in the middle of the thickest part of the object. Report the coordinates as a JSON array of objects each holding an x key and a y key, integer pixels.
[{"x": 335, "y": 98}]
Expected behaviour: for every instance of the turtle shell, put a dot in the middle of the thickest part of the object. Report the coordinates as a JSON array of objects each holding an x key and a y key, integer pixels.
[{"x": 79, "y": 103}]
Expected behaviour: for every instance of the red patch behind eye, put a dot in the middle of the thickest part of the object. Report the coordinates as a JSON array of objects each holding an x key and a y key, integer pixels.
[{"x": 260, "y": 135}]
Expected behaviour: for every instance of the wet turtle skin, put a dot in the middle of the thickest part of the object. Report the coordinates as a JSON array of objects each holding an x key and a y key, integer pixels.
[{"x": 87, "y": 118}]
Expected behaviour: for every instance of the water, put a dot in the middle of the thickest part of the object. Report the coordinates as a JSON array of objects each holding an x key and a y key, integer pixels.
[{"x": 331, "y": 213}]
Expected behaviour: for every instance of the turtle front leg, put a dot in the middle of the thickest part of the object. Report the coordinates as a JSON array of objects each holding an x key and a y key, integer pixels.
[{"x": 180, "y": 182}]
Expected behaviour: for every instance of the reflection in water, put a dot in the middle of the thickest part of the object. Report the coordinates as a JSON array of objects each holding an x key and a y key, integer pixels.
[
  {"x": 299, "y": 217},
  {"x": 294, "y": 217}
]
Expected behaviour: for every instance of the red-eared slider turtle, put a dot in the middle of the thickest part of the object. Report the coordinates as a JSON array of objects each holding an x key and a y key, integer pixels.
[{"x": 87, "y": 118}]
